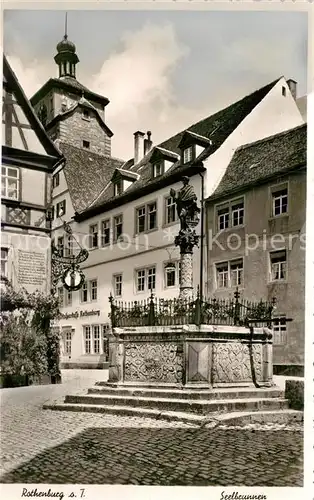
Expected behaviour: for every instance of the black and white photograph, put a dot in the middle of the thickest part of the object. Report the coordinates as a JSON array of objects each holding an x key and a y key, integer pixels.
[{"x": 153, "y": 249}]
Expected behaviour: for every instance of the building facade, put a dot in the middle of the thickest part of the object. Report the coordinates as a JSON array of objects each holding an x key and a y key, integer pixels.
[
  {"x": 256, "y": 236},
  {"x": 28, "y": 159},
  {"x": 122, "y": 211}
]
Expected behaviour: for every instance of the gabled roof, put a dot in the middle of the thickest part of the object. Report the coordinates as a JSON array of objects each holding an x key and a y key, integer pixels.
[
  {"x": 71, "y": 85},
  {"x": 87, "y": 174},
  {"x": 82, "y": 103},
  {"x": 27, "y": 114},
  {"x": 128, "y": 174},
  {"x": 261, "y": 160},
  {"x": 190, "y": 137},
  {"x": 216, "y": 127},
  {"x": 158, "y": 152}
]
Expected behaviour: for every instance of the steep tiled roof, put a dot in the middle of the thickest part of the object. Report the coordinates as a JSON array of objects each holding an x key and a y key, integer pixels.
[
  {"x": 263, "y": 159},
  {"x": 86, "y": 174},
  {"x": 216, "y": 127}
]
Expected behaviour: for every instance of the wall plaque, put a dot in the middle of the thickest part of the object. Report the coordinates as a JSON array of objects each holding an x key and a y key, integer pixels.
[{"x": 31, "y": 268}]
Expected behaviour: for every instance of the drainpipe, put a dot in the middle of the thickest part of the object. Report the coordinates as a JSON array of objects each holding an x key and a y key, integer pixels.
[{"x": 202, "y": 238}]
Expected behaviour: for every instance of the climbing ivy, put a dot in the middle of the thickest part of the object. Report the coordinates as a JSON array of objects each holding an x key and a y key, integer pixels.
[{"x": 28, "y": 343}]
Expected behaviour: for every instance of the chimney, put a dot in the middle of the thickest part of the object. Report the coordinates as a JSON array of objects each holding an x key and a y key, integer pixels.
[
  {"x": 138, "y": 146},
  {"x": 148, "y": 143},
  {"x": 292, "y": 84}
]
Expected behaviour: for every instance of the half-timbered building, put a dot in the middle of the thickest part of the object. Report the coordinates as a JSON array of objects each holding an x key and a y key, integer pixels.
[{"x": 29, "y": 157}]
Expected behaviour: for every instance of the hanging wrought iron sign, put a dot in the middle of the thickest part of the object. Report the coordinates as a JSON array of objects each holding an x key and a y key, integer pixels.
[
  {"x": 73, "y": 278},
  {"x": 66, "y": 267}
]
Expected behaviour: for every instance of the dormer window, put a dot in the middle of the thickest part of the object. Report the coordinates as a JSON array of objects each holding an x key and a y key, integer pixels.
[
  {"x": 187, "y": 154},
  {"x": 118, "y": 187},
  {"x": 158, "y": 169},
  {"x": 192, "y": 145}
]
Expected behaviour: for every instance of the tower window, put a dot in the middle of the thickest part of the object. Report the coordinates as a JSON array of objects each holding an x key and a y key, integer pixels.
[
  {"x": 86, "y": 144},
  {"x": 283, "y": 91}
]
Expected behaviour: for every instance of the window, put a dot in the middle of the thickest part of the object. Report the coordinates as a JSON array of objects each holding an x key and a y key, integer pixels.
[
  {"x": 84, "y": 293},
  {"x": 280, "y": 202},
  {"x": 141, "y": 218},
  {"x": 152, "y": 216},
  {"x": 236, "y": 272},
  {"x": 279, "y": 331},
  {"x": 105, "y": 232},
  {"x": 146, "y": 279},
  {"x": 86, "y": 114},
  {"x": 93, "y": 289},
  {"x": 96, "y": 339},
  {"x": 67, "y": 298},
  {"x": 278, "y": 262},
  {"x": 61, "y": 296},
  {"x": 140, "y": 285},
  {"x": 67, "y": 342},
  {"x": 87, "y": 339},
  {"x": 93, "y": 240},
  {"x": 283, "y": 91},
  {"x": 118, "y": 187},
  {"x": 117, "y": 225},
  {"x": 56, "y": 180},
  {"x": 60, "y": 245},
  {"x": 4, "y": 262},
  {"x": 158, "y": 169},
  {"x": 117, "y": 282},
  {"x": 10, "y": 182},
  {"x": 187, "y": 154},
  {"x": 86, "y": 144},
  {"x": 151, "y": 278},
  {"x": 223, "y": 218},
  {"x": 89, "y": 291},
  {"x": 229, "y": 273},
  {"x": 230, "y": 214},
  {"x": 172, "y": 274},
  {"x": 222, "y": 275},
  {"x": 237, "y": 211},
  {"x": 69, "y": 246},
  {"x": 60, "y": 208},
  {"x": 171, "y": 210},
  {"x": 146, "y": 218}
]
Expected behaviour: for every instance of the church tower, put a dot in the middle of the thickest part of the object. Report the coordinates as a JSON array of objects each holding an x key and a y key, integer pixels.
[{"x": 70, "y": 112}]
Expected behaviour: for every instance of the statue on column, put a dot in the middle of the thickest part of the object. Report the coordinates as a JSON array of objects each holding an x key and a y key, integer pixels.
[{"x": 186, "y": 204}]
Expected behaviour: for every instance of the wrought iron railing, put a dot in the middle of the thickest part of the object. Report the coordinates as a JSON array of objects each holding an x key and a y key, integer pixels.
[{"x": 156, "y": 311}]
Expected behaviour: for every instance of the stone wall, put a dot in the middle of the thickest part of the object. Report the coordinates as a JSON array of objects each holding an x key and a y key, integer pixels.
[{"x": 76, "y": 128}]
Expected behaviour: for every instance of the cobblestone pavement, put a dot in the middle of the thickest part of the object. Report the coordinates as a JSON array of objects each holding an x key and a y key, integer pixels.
[{"x": 43, "y": 446}]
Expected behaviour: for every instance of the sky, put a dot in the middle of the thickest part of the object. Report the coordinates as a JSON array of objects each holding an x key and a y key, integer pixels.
[{"x": 161, "y": 70}]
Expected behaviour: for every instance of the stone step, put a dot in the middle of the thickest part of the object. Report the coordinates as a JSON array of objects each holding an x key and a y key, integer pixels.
[
  {"x": 281, "y": 417},
  {"x": 214, "y": 394},
  {"x": 202, "y": 407},
  {"x": 284, "y": 416}
]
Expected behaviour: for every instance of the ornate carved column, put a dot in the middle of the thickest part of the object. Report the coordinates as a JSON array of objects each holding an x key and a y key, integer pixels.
[{"x": 187, "y": 239}]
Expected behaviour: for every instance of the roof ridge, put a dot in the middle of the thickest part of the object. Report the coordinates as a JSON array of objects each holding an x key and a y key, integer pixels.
[
  {"x": 271, "y": 137},
  {"x": 271, "y": 84}
]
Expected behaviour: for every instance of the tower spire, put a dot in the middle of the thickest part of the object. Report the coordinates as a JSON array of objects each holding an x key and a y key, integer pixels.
[
  {"x": 66, "y": 26},
  {"x": 66, "y": 57}
]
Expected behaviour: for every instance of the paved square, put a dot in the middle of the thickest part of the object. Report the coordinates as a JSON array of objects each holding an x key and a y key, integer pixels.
[{"x": 42, "y": 446}]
